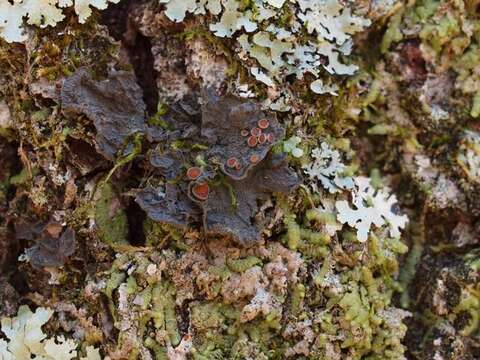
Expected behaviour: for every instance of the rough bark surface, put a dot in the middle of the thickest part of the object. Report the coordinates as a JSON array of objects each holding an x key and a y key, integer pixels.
[{"x": 232, "y": 179}]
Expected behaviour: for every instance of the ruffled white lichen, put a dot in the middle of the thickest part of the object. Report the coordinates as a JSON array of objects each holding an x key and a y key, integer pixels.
[
  {"x": 328, "y": 168},
  {"x": 26, "y": 339},
  {"x": 280, "y": 47},
  {"x": 291, "y": 146},
  {"x": 176, "y": 10},
  {"x": 24, "y": 333},
  {"x": 319, "y": 87},
  {"x": 370, "y": 207},
  {"x": 41, "y": 13},
  {"x": 60, "y": 348}
]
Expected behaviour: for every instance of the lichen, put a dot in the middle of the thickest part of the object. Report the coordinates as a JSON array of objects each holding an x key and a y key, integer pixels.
[
  {"x": 114, "y": 105},
  {"x": 328, "y": 167},
  {"x": 26, "y": 338},
  {"x": 231, "y": 166},
  {"x": 371, "y": 208},
  {"x": 41, "y": 13},
  {"x": 281, "y": 49}
]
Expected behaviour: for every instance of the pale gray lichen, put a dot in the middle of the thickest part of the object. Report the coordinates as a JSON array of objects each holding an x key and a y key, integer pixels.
[
  {"x": 291, "y": 146},
  {"x": 328, "y": 168},
  {"x": 26, "y": 339},
  {"x": 176, "y": 10},
  {"x": 330, "y": 20},
  {"x": 282, "y": 50},
  {"x": 41, "y": 13},
  {"x": 371, "y": 207},
  {"x": 319, "y": 87},
  {"x": 233, "y": 20}
]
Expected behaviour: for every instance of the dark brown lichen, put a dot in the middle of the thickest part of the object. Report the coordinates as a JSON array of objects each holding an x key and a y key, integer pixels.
[
  {"x": 9, "y": 298},
  {"x": 167, "y": 163},
  {"x": 115, "y": 106},
  {"x": 205, "y": 151},
  {"x": 232, "y": 206},
  {"x": 52, "y": 247},
  {"x": 169, "y": 204},
  {"x": 223, "y": 121}
]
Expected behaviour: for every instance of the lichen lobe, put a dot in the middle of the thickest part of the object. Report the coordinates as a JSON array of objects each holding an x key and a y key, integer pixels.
[{"x": 115, "y": 106}]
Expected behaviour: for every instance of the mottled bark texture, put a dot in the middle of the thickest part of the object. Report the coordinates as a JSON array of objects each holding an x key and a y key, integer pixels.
[{"x": 227, "y": 179}]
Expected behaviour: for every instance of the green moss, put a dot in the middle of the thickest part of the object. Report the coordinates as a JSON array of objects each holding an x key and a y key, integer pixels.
[
  {"x": 159, "y": 235},
  {"x": 475, "y": 111},
  {"x": 24, "y": 176},
  {"x": 298, "y": 294},
  {"x": 439, "y": 34},
  {"x": 114, "y": 281},
  {"x": 320, "y": 275},
  {"x": 472, "y": 260},
  {"x": 126, "y": 158},
  {"x": 323, "y": 217},
  {"x": 159, "y": 351},
  {"x": 309, "y": 242},
  {"x": 110, "y": 218},
  {"x": 393, "y": 34},
  {"x": 425, "y": 9},
  {"x": 342, "y": 285},
  {"x": 293, "y": 232},
  {"x": 132, "y": 286},
  {"x": 408, "y": 269},
  {"x": 470, "y": 302},
  {"x": 216, "y": 326},
  {"x": 242, "y": 265},
  {"x": 163, "y": 310}
]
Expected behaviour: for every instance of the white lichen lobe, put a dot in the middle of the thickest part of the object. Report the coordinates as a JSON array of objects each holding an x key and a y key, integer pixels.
[
  {"x": 41, "y": 13},
  {"x": 370, "y": 207}
]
